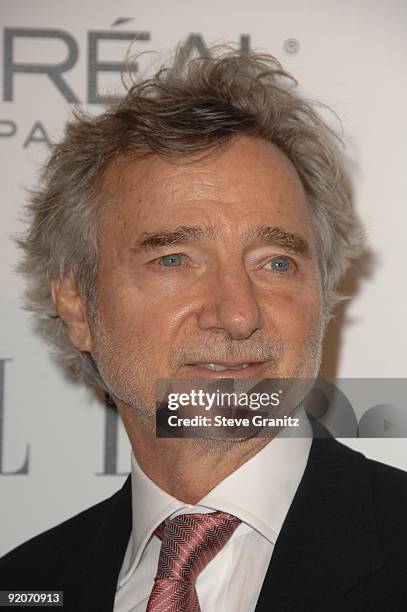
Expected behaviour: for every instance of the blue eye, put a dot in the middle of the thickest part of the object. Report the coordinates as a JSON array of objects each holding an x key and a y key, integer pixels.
[
  {"x": 278, "y": 264},
  {"x": 173, "y": 260}
]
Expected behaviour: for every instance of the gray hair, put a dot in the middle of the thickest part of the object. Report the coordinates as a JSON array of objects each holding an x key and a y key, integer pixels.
[{"x": 186, "y": 107}]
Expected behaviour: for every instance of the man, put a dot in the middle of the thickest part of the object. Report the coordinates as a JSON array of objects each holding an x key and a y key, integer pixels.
[{"x": 199, "y": 229}]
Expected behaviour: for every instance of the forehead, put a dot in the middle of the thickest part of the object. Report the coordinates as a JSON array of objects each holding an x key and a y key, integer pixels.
[{"x": 249, "y": 181}]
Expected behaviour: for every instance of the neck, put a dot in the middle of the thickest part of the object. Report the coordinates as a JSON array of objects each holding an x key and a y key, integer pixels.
[{"x": 185, "y": 468}]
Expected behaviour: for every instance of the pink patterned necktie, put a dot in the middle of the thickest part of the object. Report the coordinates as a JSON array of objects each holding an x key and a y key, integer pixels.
[{"x": 189, "y": 542}]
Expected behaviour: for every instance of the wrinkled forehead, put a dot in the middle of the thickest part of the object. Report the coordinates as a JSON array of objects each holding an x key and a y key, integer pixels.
[{"x": 250, "y": 181}]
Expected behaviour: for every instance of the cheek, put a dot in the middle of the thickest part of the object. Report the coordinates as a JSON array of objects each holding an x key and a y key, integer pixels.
[
  {"x": 145, "y": 323},
  {"x": 294, "y": 315}
]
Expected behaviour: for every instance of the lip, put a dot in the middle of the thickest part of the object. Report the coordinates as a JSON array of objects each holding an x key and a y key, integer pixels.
[{"x": 254, "y": 370}]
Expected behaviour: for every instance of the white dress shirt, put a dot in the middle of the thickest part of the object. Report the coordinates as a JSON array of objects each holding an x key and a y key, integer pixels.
[{"x": 259, "y": 493}]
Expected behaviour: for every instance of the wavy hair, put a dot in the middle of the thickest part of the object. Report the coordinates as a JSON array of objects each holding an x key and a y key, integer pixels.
[{"x": 187, "y": 106}]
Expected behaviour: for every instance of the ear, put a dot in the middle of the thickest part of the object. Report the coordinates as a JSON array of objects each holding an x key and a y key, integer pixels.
[{"x": 71, "y": 308}]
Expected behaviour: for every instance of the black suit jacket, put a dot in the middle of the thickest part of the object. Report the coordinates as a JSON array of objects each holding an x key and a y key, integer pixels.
[{"x": 343, "y": 545}]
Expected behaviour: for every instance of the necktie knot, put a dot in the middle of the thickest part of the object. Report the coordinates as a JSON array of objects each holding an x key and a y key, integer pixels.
[{"x": 189, "y": 543}]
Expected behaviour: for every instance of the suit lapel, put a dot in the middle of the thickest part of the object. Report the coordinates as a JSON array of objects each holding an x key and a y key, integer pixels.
[
  {"x": 106, "y": 552},
  {"x": 328, "y": 541}
]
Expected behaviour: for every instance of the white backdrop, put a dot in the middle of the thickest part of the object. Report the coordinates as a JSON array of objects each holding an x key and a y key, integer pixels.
[{"x": 54, "y": 461}]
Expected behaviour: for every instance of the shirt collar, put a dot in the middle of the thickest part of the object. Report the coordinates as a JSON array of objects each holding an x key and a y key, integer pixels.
[{"x": 259, "y": 492}]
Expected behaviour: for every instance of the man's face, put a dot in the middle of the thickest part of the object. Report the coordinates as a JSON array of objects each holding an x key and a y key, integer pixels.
[{"x": 206, "y": 262}]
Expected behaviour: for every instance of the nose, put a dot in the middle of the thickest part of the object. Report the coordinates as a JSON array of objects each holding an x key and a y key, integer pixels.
[{"x": 232, "y": 305}]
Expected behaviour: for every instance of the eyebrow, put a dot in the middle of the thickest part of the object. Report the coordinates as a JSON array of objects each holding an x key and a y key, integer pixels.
[
  {"x": 271, "y": 235},
  {"x": 180, "y": 235},
  {"x": 277, "y": 235}
]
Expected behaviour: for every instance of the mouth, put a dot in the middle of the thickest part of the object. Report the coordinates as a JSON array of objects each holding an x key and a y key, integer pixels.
[{"x": 221, "y": 369}]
